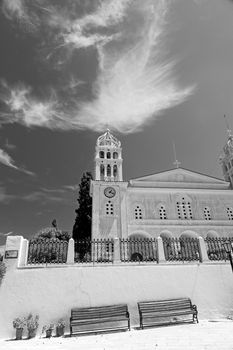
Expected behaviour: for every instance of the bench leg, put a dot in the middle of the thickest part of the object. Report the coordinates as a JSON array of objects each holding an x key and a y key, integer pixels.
[{"x": 195, "y": 318}]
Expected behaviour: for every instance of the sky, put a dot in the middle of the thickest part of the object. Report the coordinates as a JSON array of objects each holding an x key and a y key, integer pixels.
[{"x": 153, "y": 71}]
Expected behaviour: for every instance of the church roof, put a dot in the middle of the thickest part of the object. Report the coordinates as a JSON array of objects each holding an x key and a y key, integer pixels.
[
  {"x": 107, "y": 139},
  {"x": 180, "y": 178}
]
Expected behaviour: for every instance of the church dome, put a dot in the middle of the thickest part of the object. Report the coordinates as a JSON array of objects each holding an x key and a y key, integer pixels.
[{"x": 107, "y": 139}]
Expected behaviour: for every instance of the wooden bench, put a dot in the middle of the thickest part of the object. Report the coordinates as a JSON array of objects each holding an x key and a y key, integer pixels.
[
  {"x": 162, "y": 312},
  {"x": 99, "y": 319}
]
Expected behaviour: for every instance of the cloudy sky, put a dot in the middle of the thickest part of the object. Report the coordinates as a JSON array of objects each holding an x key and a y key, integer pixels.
[{"x": 153, "y": 71}]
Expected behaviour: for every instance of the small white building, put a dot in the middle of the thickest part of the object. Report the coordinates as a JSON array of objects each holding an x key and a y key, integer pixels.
[{"x": 172, "y": 203}]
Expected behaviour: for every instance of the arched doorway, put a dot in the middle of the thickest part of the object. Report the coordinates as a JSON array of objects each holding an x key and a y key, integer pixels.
[
  {"x": 189, "y": 245},
  {"x": 212, "y": 234},
  {"x": 189, "y": 234},
  {"x": 141, "y": 247}
]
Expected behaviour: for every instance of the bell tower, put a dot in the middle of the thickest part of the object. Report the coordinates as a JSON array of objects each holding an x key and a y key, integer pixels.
[
  {"x": 108, "y": 190},
  {"x": 108, "y": 158}
]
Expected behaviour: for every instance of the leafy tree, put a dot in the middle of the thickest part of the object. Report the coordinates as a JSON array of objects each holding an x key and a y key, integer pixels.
[
  {"x": 82, "y": 225},
  {"x": 53, "y": 232}
]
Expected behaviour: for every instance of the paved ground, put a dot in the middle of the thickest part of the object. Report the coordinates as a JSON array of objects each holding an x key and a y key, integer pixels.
[{"x": 207, "y": 335}]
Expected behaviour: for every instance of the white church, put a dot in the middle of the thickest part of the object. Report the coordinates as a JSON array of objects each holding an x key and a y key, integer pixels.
[{"x": 172, "y": 203}]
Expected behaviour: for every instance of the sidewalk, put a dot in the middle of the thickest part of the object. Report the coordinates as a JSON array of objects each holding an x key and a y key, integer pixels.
[{"x": 207, "y": 335}]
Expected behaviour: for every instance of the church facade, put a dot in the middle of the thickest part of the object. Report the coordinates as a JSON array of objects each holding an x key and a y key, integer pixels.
[{"x": 172, "y": 203}]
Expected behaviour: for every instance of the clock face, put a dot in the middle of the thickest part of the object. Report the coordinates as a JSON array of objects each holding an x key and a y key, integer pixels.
[{"x": 109, "y": 192}]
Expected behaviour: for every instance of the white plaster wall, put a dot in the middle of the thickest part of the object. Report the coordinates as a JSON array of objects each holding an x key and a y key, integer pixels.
[
  {"x": 149, "y": 199},
  {"x": 53, "y": 291}
]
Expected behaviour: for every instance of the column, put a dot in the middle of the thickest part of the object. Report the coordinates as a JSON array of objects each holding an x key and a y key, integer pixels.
[
  {"x": 70, "y": 252},
  {"x": 117, "y": 258},
  {"x": 23, "y": 253},
  {"x": 161, "y": 256},
  {"x": 14, "y": 252},
  {"x": 203, "y": 252}
]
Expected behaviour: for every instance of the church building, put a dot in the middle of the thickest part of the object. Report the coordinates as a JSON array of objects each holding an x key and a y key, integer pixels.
[{"x": 172, "y": 203}]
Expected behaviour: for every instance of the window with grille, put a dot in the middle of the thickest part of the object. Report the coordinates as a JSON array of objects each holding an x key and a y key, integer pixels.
[
  {"x": 138, "y": 213},
  {"x": 109, "y": 208},
  {"x": 230, "y": 213},
  {"x": 207, "y": 214},
  {"x": 162, "y": 213},
  {"x": 115, "y": 171},
  {"x": 115, "y": 155},
  {"x": 101, "y": 172},
  {"x": 184, "y": 210},
  {"x": 108, "y": 170}
]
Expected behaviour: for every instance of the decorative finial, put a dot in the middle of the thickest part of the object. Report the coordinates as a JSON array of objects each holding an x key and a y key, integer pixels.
[
  {"x": 176, "y": 162},
  {"x": 229, "y": 132},
  {"x": 54, "y": 223}
]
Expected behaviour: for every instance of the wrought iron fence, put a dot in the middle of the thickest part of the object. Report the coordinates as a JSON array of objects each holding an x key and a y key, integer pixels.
[
  {"x": 218, "y": 248},
  {"x": 181, "y": 249},
  {"x": 138, "y": 250},
  {"x": 47, "y": 251},
  {"x": 94, "y": 251}
]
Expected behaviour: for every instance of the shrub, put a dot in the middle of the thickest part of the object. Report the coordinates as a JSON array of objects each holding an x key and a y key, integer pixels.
[
  {"x": 53, "y": 232},
  {"x": 32, "y": 325},
  {"x": 60, "y": 323},
  {"x": 19, "y": 322}
]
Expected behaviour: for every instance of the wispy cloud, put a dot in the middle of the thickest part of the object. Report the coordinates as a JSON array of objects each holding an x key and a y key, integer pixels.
[
  {"x": 6, "y": 159},
  {"x": 71, "y": 187},
  {"x": 14, "y": 9},
  {"x": 45, "y": 195},
  {"x": 134, "y": 84},
  {"x": 42, "y": 195},
  {"x": 24, "y": 108}
]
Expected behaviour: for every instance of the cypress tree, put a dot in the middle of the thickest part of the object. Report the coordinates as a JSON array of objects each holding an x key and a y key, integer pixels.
[{"x": 82, "y": 225}]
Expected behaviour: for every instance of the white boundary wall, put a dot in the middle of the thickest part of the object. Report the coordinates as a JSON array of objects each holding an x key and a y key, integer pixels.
[{"x": 52, "y": 291}]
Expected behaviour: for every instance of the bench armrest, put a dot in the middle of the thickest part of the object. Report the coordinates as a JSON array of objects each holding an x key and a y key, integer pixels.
[{"x": 194, "y": 307}]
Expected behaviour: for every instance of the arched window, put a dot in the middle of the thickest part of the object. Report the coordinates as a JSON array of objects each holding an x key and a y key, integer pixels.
[
  {"x": 101, "y": 154},
  {"x": 162, "y": 213},
  {"x": 108, "y": 155},
  {"x": 115, "y": 171},
  {"x": 207, "y": 214},
  {"x": 101, "y": 172},
  {"x": 108, "y": 170},
  {"x": 184, "y": 210},
  {"x": 115, "y": 155},
  {"x": 138, "y": 213},
  {"x": 109, "y": 208},
  {"x": 230, "y": 213}
]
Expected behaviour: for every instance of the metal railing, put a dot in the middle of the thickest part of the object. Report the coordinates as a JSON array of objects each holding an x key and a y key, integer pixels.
[
  {"x": 47, "y": 251},
  {"x": 94, "y": 251},
  {"x": 138, "y": 250},
  {"x": 218, "y": 248},
  {"x": 181, "y": 249}
]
